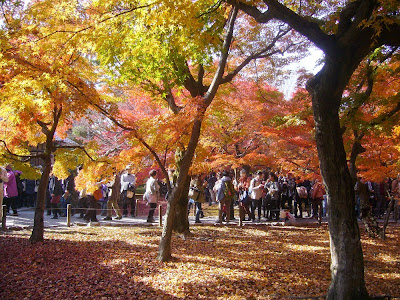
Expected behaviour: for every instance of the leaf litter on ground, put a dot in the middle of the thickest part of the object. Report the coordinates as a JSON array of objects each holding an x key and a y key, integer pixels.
[{"x": 224, "y": 262}]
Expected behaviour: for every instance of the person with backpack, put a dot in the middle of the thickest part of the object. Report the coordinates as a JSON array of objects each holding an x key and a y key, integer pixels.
[
  {"x": 225, "y": 195},
  {"x": 256, "y": 191},
  {"x": 93, "y": 198},
  {"x": 197, "y": 188}
]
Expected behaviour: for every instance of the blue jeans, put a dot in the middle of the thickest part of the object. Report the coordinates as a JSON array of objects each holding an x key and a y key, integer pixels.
[{"x": 199, "y": 211}]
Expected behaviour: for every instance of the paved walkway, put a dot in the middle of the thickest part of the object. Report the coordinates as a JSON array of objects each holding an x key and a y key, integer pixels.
[
  {"x": 25, "y": 217},
  {"x": 24, "y": 220}
]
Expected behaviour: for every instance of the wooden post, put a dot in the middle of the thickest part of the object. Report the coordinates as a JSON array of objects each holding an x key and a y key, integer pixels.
[
  {"x": 241, "y": 215},
  {"x": 160, "y": 215},
  {"x": 137, "y": 207},
  {"x": 3, "y": 219},
  {"x": 68, "y": 215}
]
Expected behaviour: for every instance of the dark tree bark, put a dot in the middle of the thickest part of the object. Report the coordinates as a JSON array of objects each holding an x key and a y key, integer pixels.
[
  {"x": 179, "y": 192},
  {"x": 347, "y": 266},
  {"x": 181, "y": 224},
  {"x": 356, "y": 149},
  {"x": 38, "y": 226}
]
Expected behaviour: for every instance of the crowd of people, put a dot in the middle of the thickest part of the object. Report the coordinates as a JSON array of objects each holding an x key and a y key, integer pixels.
[
  {"x": 262, "y": 195},
  {"x": 374, "y": 197},
  {"x": 16, "y": 192},
  {"x": 274, "y": 196}
]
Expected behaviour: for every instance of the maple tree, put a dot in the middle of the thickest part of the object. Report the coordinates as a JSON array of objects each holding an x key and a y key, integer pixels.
[
  {"x": 45, "y": 84},
  {"x": 258, "y": 128},
  {"x": 346, "y": 32},
  {"x": 150, "y": 45},
  {"x": 370, "y": 109}
]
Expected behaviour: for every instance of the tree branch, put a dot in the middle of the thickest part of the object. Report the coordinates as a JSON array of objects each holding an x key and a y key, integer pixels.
[
  {"x": 278, "y": 11},
  {"x": 23, "y": 158},
  {"x": 260, "y": 54},
  {"x": 80, "y": 148},
  {"x": 200, "y": 75},
  {"x": 194, "y": 87},
  {"x": 260, "y": 17},
  {"x": 345, "y": 17},
  {"x": 75, "y": 32},
  {"x": 212, "y": 90},
  {"x": 386, "y": 116}
]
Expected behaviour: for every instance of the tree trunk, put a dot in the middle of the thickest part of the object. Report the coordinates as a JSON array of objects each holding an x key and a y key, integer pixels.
[
  {"x": 356, "y": 149},
  {"x": 179, "y": 192},
  {"x": 347, "y": 266},
  {"x": 181, "y": 222},
  {"x": 38, "y": 226}
]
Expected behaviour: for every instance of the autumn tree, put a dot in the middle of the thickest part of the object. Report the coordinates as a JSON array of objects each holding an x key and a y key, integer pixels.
[
  {"x": 45, "y": 84},
  {"x": 168, "y": 48},
  {"x": 370, "y": 108},
  {"x": 346, "y": 33},
  {"x": 233, "y": 127}
]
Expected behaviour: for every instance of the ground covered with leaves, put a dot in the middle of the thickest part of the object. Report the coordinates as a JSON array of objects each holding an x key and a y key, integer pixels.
[{"x": 260, "y": 262}]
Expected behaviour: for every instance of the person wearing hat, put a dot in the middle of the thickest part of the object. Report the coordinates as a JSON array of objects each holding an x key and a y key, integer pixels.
[{"x": 11, "y": 191}]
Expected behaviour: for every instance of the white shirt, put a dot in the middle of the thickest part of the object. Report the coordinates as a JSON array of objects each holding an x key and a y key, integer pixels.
[{"x": 127, "y": 179}]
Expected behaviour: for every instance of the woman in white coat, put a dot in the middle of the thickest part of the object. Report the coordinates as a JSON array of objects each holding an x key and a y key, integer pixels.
[{"x": 152, "y": 194}]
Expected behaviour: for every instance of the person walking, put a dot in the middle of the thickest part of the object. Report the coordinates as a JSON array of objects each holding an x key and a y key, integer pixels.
[
  {"x": 112, "y": 202},
  {"x": 198, "y": 185},
  {"x": 152, "y": 194},
  {"x": 11, "y": 191}
]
